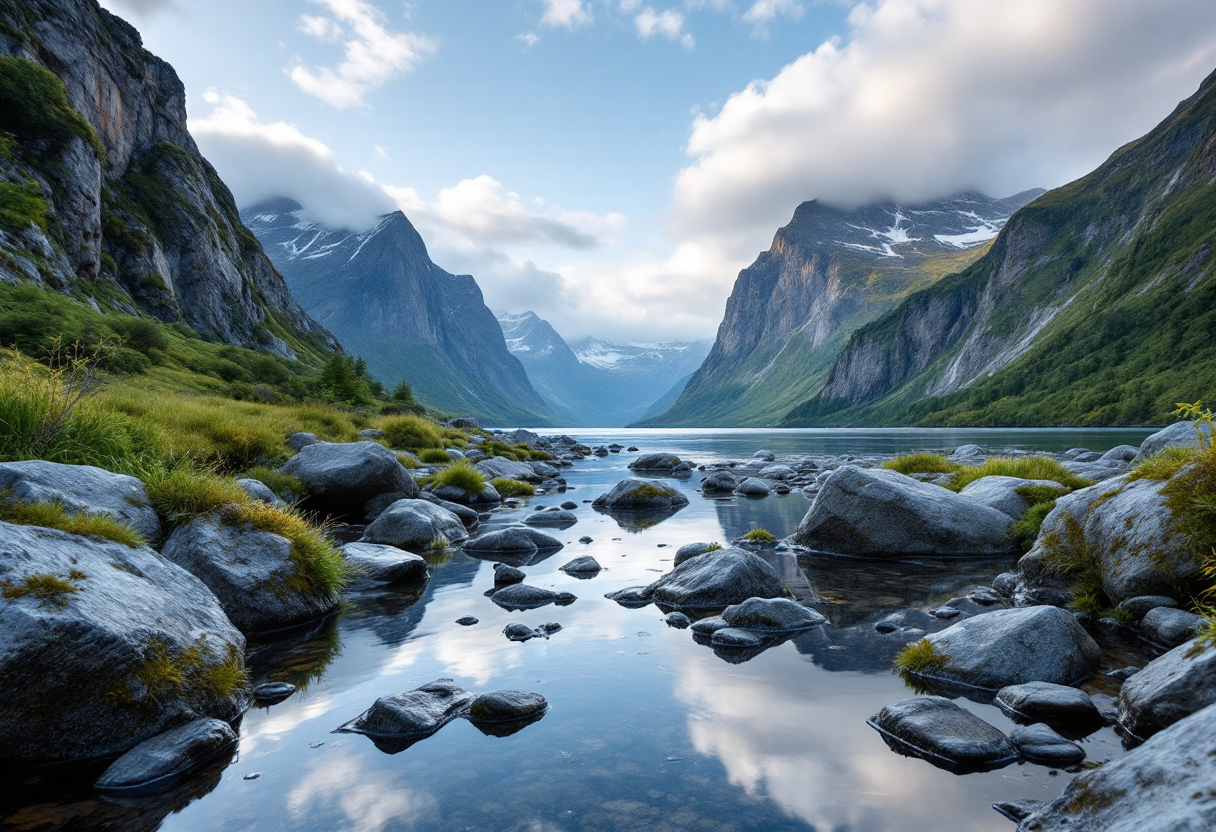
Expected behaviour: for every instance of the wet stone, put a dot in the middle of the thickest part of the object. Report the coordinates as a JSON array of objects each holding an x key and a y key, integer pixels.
[
  {"x": 504, "y": 574},
  {"x": 585, "y": 539},
  {"x": 1039, "y": 744},
  {"x": 678, "y": 620},
  {"x": 467, "y": 621},
  {"x": 936, "y": 729},
  {"x": 159, "y": 762},
  {"x": 421, "y": 711},
  {"x": 586, "y": 565},
  {"x": 272, "y": 693},
  {"x": 734, "y": 637},
  {"x": 631, "y": 597},
  {"x": 506, "y": 706},
  {"x": 1056, "y": 705},
  {"x": 525, "y": 597},
  {"x": 710, "y": 625},
  {"x": 772, "y": 615}
]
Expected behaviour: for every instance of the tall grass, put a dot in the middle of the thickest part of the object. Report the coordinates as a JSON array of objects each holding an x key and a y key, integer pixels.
[
  {"x": 921, "y": 463},
  {"x": 55, "y": 516},
  {"x": 411, "y": 432},
  {"x": 461, "y": 474},
  {"x": 320, "y": 568}
]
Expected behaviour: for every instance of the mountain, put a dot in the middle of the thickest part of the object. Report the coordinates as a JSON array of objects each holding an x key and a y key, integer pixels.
[
  {"x": 595, "y": 383},
  {"x": 379, "y": 292},
  {"x": 104, "y": 195},
  {"x": 1096, "y": 304},
  {"x": 828, "y": 272}
]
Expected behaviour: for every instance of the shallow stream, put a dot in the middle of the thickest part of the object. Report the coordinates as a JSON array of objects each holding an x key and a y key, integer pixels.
[{"x": 646, "y": 728}]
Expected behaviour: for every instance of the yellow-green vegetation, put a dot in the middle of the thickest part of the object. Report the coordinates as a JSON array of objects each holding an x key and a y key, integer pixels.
[
  {"x": 1042, "y": 499},
  {"x": 284, "y": 485},
  {"x": 55, "y": 516},
  {"x": 921, "y": 463},
  {"x": 407, "y": 461},
  {"x": 1070, "y": 556},
  {"x": 21, "y": 205},
  {"x": 1023, "y": 467},
  {"x": 515, "y": 453},
  {"x": 507, "y": 487},
  {"x": 320, "y": 568},
  {"x": 434, "y": 456},
  {"x": 713, "y": 547},
  {"x": 411, "y": 433},
  {"x": 34, "y": 108},
  {"x": 760, "y": 536},
  {"x": 460, "y": 474},
  {"x": 166, "y": 674},
  {"x": 920, "y": 657},
  {"x": 49, "y": 590},
  {"x": 185, "y": 493},
  {"x": 646, "y": 491},
  {"x": 1164, "y": 464}
]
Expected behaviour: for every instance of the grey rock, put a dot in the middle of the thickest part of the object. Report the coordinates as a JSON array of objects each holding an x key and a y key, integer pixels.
[
  {"x": 777, "y": 472},
  {"x": 525, "y": 597},
  {"x": 732, "y": 637},
  {"x": 690, "y": 550},
  {"x": 709, "y": 625},
  {"x": 585, "y": 540},
  {"x": 945, "y": 613},
  {"x": 1177, "y": 435},
  {"x": 506, "y": 706},
  {"x": 717, "y": 580},
  {"x": 1096, "y": 471},
  {"x": 753, "y": 487},
  {"x": 251, "y": 573},
  {"x": 641, "y": 495},
  {"x": 551, "y": 518},
  {"x": 514, "y": 541},
  {"x": 272, "y": 693},
  {"x": 967, "y": 454},
  {"x": 415, "y": 524},
  {"x": 631, "y": 597},
  {"x": 1039, "y": 744},
  {"x": 655, "y": 462},
  {"x": 371, "y": 433},
  {"x": 719, "y": 482},
  {"x": 584, "y": 565},
  {"x": 161, "y": 761},
  {"x": 421, "y": 711},
  {"x": 78, "y": 657},
  {"x": 1141, "y": 604},
  {"x": 467, "y": 515},
  {"x": 455, "y": 455},
  {"x": 1013, "y": 646},
  {"x": 936, "y": 729},
  {"x": 344, "y": 476},
  {"x": 1001, "y": 493},
  {"x": 454, "y": 494},
  {"x": 468, "y": 620},
  {"x": 520, "y": 436},
  {"x": 499, "y": 466},
  {"x": 384, "y": 564},
  {"x": 1168, "y": 689},
  {"x": 569, "y": 505},
  {"x": 83, "y": 488},
  {"x": 771, "y": 615},
  {"x": 1168, "y": 784},
  {"x": 522, "y": 632},
  {"x": 505, "y": 574},
  {"x": 1056, "y": 705},
  {"x": 1169, "y": 627},
  {"x": 880, "y": 513},
  {"x": 766, "y": 456},
  {"x": 464, "y": 422},
  {"x": 1018, "y": 810},
  {"x": 299, "y": 440},
  {"x": 260, "y": 492},
  {"x": 1005, "y": 583},
  {"x": 678, "y": 620},
  {"x": 1120, "y": 453}
]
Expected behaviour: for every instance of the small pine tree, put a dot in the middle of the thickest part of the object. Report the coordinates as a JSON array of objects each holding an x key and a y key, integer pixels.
[{"x": 341, "y": 383}]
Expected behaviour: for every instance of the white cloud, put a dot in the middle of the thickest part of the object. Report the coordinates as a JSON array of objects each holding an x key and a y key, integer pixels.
[
  {"x": 529, "y": 39},
  {"x": 372, "y": 54},
  {"x": 630, "y": 6},
  {"x": 566, "y": 14},
  {"x": 927, "y": 97},
  {"x": 140, "y": 8},
  {"x": 763, "y": 12},
  {"x": 668, "y": 24},
  {"x": 258, "y": 160}
]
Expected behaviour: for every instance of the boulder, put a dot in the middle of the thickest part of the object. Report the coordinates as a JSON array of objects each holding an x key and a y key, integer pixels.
[
  {"x": 544, "y": 470},
  {"x": 764, "y": 456},
  {"x": 83, "y": 488},
  {"x": 519, "y": 436},
  {"x": 709, "y": 625},
  {"x": 1014, "y": 646},
  {"x": 512, "y": 542},
  {"x": 301, "y": 440},
  {"x": 631, "y": 597},
  {"x": 585, "y": 565},
  {"x": 158, "y": 763},
  {"x": 1056, "y": 705},
  {"x": 506, "y": 706},
  {"x": 525, "y": 597},
  {"x": 1169, "y": 627},
  {"x": 454, "y": 494},
  {"x": 935, "y": 729},
  {"x": 1177, "y": 435},
  {"x": 342, "y": 476},
  {"x": 468, "y": 516},
  {"x": 734, "y": 637},
  {"x": 251, "y": 572},
  {"x": 968, "y": 455},
  {"x": 414, "y": 713},
  {"x": 879, "y": 513},
  {"x": 777, "y": 472},
  {"x": 1141, "y": 604},
  {"x": 641, "y": 495},
  {"x": 1169, "y": 783},
  {"x": 690, "y": 550},
  {"x": 500, "y": 466},
  {"x": 87, "y": 629},
  {"x": 555, "y": 518},
  {"x": 455, "y": 455},
  {"x": 771, "y": 615},
  {"x": 719, "y": 482},
  {"x": 655, "y": 462},
  {"x": 259, "y": 491},
  {"x": 754, "y": 487},
  {"x": 384, "y": 564},
  {"x": 1039, "y": 744},
  {"x": 1120, "y": 453},
  {"x": 716, "y": 580},
  {"x": 1001, "y": 493},
  {"x": 1169, "y": 688},
  {"x": 504, "y": 574},
  {"x": 416, "y": 524}
]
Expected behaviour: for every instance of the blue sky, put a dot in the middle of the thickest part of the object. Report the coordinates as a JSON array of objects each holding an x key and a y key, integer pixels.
[{"x": 612, "y": 164}]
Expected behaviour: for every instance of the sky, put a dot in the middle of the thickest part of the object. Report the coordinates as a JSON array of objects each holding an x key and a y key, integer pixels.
[{"x": 613, "y": 164}]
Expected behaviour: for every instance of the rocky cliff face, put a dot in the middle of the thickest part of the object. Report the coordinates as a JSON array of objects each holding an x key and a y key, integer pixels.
[
  {"x": 1088, "y": 307},
  {"x": 827, "y": 273},
  {"x": 134, "y": 218},
  {"x": 379, "y": 292},
  {"x": 594, "y": 383}
]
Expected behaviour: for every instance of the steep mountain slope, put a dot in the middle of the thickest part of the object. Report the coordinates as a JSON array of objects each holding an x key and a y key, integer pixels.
[
  {"x": 103, "y": 193},
  {"x": 827, "y": 273},
  {"x": 595, "y": 383},
  {"x": 379, "y": 292},
  {"x": 1095, "y": 305}
]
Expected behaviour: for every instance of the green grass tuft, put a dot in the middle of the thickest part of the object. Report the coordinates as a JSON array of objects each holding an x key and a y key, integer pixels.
[
  {"x": 320, "y": 568},
  {"x": 411, "y": 432},
  {"x": 49, "y": 590},
  {"x": 1027, "y": 468},
  {"x": 284, "y": 485},
  {"x": 407, "y": 461},
  {"x": 184, "y": 494},
  {"x": 760, "y": 536},
  {"x": 1025, "y": 530},
  {"x": 434, "y": 456},
  {"x": 920, "y": 657},
  {"x": 507, "y": 487},
  {"x": 1164, "y": 464},
  {"x": 55, "y": 516},
  {"x": 921, "y": 463},
  {"x": 461, "y": 474}
]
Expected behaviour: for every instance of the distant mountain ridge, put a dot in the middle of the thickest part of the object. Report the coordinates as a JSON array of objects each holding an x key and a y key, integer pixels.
[
  {"x": 827, "y": 273},
  {"x": 596, "y": 383},
  {"x": 380, "y": 294},
  {"x": 1096, "y": 304}
]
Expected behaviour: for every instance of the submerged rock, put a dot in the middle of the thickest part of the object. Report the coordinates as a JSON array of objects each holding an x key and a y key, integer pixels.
[
  {"x": 879, "y": 513},
  {"x": 754, "y": 487},
  {"x": 83, "y": 488},
  {"x": 1056, "y": 705},
  {"x": 719, "y": 483},
  {"x": 524, "y": 597},
  {"x": 506, "y": 706},
  {"x": 1039, "y": 744},
  {"x": 716, "y": 580},
  {"x": 1168, "y": 689},
  {"x": 505, "y": 574},
  {"x": 273, "y": 693},
  {"x": 416, "y": 524},
  {"x": 522, "y": 632},
  {"x": 584, "y": 566},
  {"x": 414, "y": 713},
  {"x": 160, "y": 762},
  {"x": 341, "y": 477},
  {"x": 513, "y": 542},
  {"x": 734, "y": 637},
  {"x": 552, "y": 518},
  {"x": 771, "y": 615},
  {"x": 384, "y": 564},
  {"x": 935, "y": 729}
]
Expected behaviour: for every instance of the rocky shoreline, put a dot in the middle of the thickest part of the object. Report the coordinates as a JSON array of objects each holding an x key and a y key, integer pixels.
[{"x": 139, "y": 650}]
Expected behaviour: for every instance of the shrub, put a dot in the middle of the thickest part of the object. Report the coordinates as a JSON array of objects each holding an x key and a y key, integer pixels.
[
  {"x": 434, "y": 456},
  {"x": 921, "y": 463},
  {"x": 320, "y": 568},
  {"x": 507, "y": 487},
  {"x": 461, "y": 474},
  {"x": 185, "y": 493},
  {"x": 55, "y": 516},
  {"x": 140, "y": 334},
  {"x": 411, "y": 432},
  {"x": 760, "y": 536}
]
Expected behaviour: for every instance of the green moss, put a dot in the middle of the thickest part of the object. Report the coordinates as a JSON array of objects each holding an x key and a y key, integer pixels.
[
  {"x": 34, "y": 107},
  {"x": 49, "y": 590},
  {"x": 920, "y": 657},
  {"x": 460, "y": 474},
  {"x": 21, "y": 206},
  {"x": 166, "y": 674},
  {"x": 921, "y": 463},
  {"x": 55, "y": 516},
  {"x": 507, "y": 487},
  {"x": 760, "y": 536},
  {"x": 646, "y": 491}
]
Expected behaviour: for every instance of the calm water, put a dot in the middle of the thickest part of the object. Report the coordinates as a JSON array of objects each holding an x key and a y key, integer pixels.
[{"x": 646, "y": 729}]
